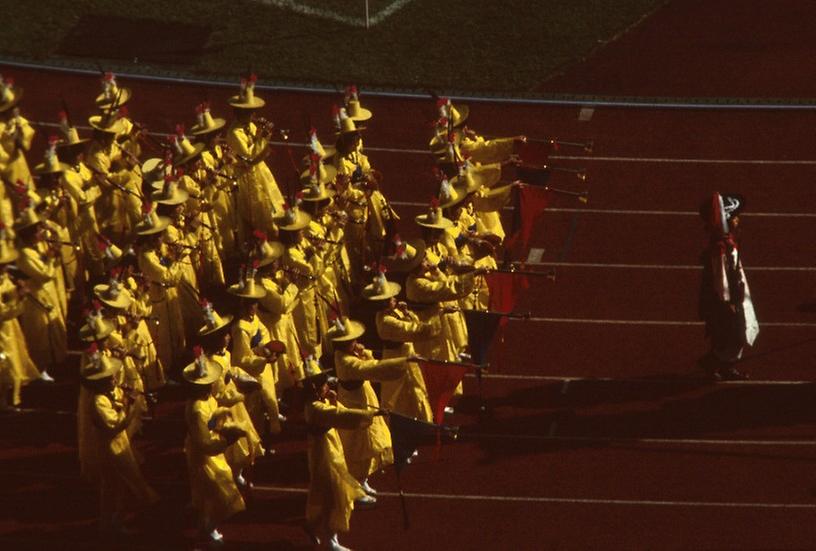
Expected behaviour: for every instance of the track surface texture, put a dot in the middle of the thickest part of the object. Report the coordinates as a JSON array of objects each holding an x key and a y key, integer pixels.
[{"x": 600, "y": 432}]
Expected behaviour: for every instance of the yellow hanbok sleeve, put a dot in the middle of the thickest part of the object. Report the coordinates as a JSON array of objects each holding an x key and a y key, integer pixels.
[
  {"x": 153, "y": 269},
  {"x": 205, "y": 440},
  {"x": 323, "y": 414},
  {"x": 438, "y": 289},
  {"x": 242, "y": 350},
  {"x": 33, "y": 265},
  {"x": 391, "y": 328},
  {"x": 108, "y": 418},
  {"x": 352, "y": 368}
]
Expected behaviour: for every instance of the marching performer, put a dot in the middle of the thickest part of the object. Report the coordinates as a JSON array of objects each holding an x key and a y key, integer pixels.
[
  {"x": 104, "y": 414},
  {"x": 725, "y": 299},
  {"x": 230, "y": 390},
  {"x": 367, "y": 450},
  {"x": 398, "y": 328},
  {"x": 259, "y": 198},
  {"x": 16, "y": 367},
  {"x": 333, "y": 490},
  {"x": 210, "y": 432}
]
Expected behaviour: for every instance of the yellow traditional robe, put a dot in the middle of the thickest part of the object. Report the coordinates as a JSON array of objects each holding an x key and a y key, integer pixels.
[
  {"x": 221, "y": 195},
  {"x": 306, "y": 311},
  {"x": 140, "y": 340},
  {"x": 246, "y": 336},
  {"x": 16, "y": 369},
  {"x": 276, "y": 314},
  {"x": 398, "y": 330},
  {"x": 168, "y": 333},
  {"x": 259, "y": 198},
  {"x": 243, "y": 452},
  {"x": 43, "y": 319},
  {"x": 214, "y": 493},
  {"x": 105, "y": 454},
  {"x": 118, "y": 210},
  {"x": 487, "y": 151},
  {"x": 369, "y": 449},
  {"x": 332, "y": 489}
]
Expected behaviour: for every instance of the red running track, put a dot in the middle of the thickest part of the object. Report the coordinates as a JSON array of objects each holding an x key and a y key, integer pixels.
[{"x": 600, "y": 436}]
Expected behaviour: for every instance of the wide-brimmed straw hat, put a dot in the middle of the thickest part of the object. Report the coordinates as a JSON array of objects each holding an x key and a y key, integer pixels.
[
  {"x": 10, "y": 95},
  {"x": 169, "y": 193},
  {"x": 345, "y": 124},
  {"x": 113, "y": 294},
  {"x": 72, "y": 140},
  {"x": 246, "y": 98},
  {"x": 205, "y": 122},
  {"x": 100, "y": 366},
  {"x": 317, "y": 148},
  {"x": 408, "y": 255},
  {"x": 380, "y": 288},
  {"x": 247, "y": 287},
  {"x": 203, "y": 371},
  {"x": 457, "y": 114},
  {"x": 51, "y": 163},
  {"x": 345, "y": 330},
  {"x": 28, "y": 217},
  {"x": 292, "y": 219},
  {"x": 265, "y": 251},
  {"x": 151, "y": 222},
  {"x": 108, "y": 123},
  {"x": 186, "y": 151},
  {"x": 433, "y": 218},
  {"x": 322, "y": 172},
  {"x": 355, "y": 110},
  {"x": 96, "y": 328},
  {"x": 212, "y": 320},
  {"x": 113, "y": 96}
]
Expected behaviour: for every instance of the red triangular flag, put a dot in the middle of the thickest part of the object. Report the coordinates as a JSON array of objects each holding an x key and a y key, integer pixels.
[
  {"x": 531, "y": 201},
  {"x": 441, "y": 381}
]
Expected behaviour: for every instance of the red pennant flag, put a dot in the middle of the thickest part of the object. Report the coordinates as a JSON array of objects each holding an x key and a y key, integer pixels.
[
  {"x": 441, "y": 381},
  {"x": 531, "y": 201},
  {"x": 505, "y": 288}
]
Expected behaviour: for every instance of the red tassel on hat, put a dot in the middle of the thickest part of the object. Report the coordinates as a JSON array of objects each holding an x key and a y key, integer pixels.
[
  {"x": 123, "y": 112},
  {"x": 336, "y": 115},
  {"x": 260, "y": 235},
  {"x": 92, "y": 349}
]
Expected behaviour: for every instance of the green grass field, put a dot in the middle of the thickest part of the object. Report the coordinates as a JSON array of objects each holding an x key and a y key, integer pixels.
[{"x": 481, "y": 46}]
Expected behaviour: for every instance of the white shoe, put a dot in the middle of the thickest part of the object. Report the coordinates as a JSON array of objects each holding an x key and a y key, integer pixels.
[
  {"x": 334, "y": 545},
  {"x": 368, "y": 489},
  {"x": 448, "y": 409},
  {"x": 413, "y": 455},
  {"x": 282, "y": 418},
  {"x": 365, "y": 502},
  {"x": 45, "y": 377},
  {"x": 215, "y": 536},
  {"x": 240, "y": 481}
]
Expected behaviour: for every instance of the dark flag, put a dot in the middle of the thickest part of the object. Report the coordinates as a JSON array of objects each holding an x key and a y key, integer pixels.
[
  {"x": 481, "y": 328},
  {"x": 406, "y": 435},
  {"x": 505, "y": 288}
]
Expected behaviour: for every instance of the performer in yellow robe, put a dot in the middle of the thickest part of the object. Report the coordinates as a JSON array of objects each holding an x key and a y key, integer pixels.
[
  {"x": 163, "y": 275},
  {"x": 16, "y": 367},
  {"x": 276, "y": 307},
  {"x": 210, "y": 432},
  {"x": 105, "y": 455},
  {"x": 367, "y": 450},
  {"x": 43, "y": 318},
  {"x": 254, "y": 351},
  {"x": 16, "y": 137},
  {"x": 259, "y": 198},
  {"x": 215, "y": 339},
  {"x": 398, "y": 328},
  {"x": 333, "y": 491}
]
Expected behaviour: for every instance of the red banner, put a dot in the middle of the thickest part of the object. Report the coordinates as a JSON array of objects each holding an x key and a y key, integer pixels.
[
  {"x": 530, "y": 202},
  {"x": 441, "y": 381}
]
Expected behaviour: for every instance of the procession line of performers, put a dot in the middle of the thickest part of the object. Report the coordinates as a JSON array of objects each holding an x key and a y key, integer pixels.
[{"x": 139, "y": 245}]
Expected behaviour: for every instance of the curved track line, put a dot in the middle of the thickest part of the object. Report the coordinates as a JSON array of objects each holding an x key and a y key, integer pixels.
[{"x": 631, "y": 440}]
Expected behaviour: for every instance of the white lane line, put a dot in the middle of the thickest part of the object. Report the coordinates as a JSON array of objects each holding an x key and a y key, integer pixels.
[
  {"x": 636, "y": 440},
  {"x": 594, "y": 321},
  {"x": 637, "y": 212},
  {"x": 568, "y": 500},
  {"x": 634, "y": 380},
  {"x": 668, "y": 266},
  {"x": 677, "y": 160}
]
